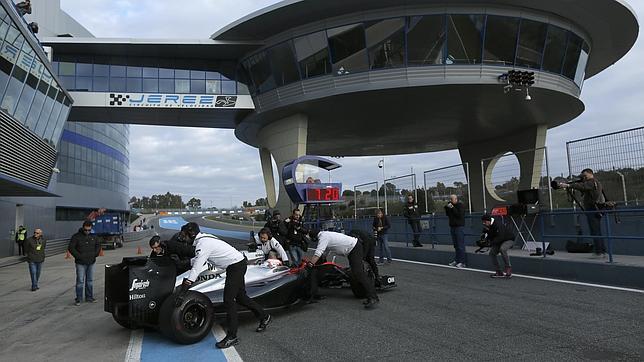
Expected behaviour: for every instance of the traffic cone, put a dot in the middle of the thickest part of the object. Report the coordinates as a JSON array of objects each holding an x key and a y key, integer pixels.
[
  {"x": 68, "y": 255},
  {"x": 139, "y": 251},
  {"x": 101, "y": 253}
]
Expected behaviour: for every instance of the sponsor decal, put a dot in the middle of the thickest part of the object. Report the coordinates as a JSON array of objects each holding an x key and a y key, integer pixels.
[
  {"x": 171, "y": 100},
  {"x": 139, "y": 284},
  {"x": 137, "y": 296},
  {"x": 391, "y": 280},
  {"x": 205, "y": 277}
]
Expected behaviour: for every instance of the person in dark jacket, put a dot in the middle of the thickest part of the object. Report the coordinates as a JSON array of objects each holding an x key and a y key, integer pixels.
[
  {"x": 21, "y": 235},
  {"x": 593, "y": 194},
  {"x": 501, "y": 238},
  {"x": 455, "y": 211},
  {"x": 381, "y": 227},
  {"x": 35, "y": 250},
  {"x": 84, "y": 248},
  {"x": 412, "y": 215},
  {"x": 278, "y": 229},
  {"x": 296, "y": 236},
  {"x": 174, "y": 252}
]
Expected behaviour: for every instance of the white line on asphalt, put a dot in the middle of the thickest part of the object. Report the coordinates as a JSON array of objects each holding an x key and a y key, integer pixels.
[
  {"x": 134, "y": 348},
  {"x": 230, "y": 353},
  {"x": 531, "y": 277}
]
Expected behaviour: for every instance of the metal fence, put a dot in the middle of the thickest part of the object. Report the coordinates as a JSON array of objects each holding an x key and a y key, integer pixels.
[
  {"x": 617, "y": 160},
  {"x": 366, "y": 199},
  {"x": 440, "y": 183},
  {"x": 396, "y": 190}
]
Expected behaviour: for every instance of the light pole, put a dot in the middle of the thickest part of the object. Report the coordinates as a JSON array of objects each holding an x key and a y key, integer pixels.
[{"x": 381, "y": 165}]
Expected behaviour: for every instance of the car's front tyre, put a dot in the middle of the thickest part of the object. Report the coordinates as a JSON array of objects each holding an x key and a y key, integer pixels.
[{"x": 189, "y": 322}]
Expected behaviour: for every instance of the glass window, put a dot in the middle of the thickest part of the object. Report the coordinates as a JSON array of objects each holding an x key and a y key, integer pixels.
[
  {"x": 68, "y": 82},
  {"x": 150, "y": 72},
  {"x": 166, "y": 73},
  {"x": 555, "y": 49},
  {"x": 532, "y": 38},
  {"x": 134, "y": 84},
  {"x": 83, "y": 84},
  {"x": 27, "y": 95},
  {"x": 197, "y": 74},
  {"x": 166, "y": 85},
  {"x": 102, "y": 70},
  {"x": 213, "y": 86},
  {"x": 150, "y": 85},
  {"x": 53, "y": 116},
  {"x": 573, "y": 53},
  {"x": 312, "y": 52},
  {"x": 16, "y": 81},
  {"x": 84, "y": 69},
  {"x": 58, "y": 129},
  {"x": 134, "y": 72},
  {"x": 66, "y": 68},
  {"x": 182, "y": 74},
  {"x": 117, "y": 71},
  {"x": 282, "y": 60},
  {"x": 426, "y": 40},
  {"x": 37, "y": 105},
  {"x": 182, "y": 86},
  {"x": 464, "y": 39},
  {"x": 386, "y": 43},
  {"x": 580, "y": 74},
  {"x": 100, "y": 84},
  {"x": 117, "y": 84},
  {"x": 260, "y": 72},
  {"x": 228, "y": 87},
  {"x": 198, "y": 86},
  {"x": 242, "y": 88},
  {"x": 213, "y": 75},
  {"x": 348, "y": 51},
  {"x": 500, "y": 40},
  {"x": 46, "y": 110}
]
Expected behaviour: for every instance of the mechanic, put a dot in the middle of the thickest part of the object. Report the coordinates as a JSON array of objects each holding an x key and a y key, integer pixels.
[
  {"x": 177, "y": 253},
  {"x": 501, "y": 239},
  {"x": 267, "y": 243},
  {"x": 352, "y": 248},
  {"x": 368, "y": 251},
  {"x": 209, "y": 248},
  {"x": 296, "y": 236},
  {"x": 179, "y": 237}
]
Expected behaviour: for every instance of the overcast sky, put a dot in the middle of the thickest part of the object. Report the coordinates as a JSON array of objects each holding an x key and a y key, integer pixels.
[{"x": 214, "y": 166}]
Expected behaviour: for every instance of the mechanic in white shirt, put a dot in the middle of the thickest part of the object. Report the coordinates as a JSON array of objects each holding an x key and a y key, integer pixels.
[
  {"x": 352, "y": 248},
  {"x": 266, "y": 242},
  {"x": 209, "y": 248}
]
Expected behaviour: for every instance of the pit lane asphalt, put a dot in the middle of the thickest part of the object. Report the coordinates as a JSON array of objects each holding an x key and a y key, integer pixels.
[{"x": 433, "y": 314}]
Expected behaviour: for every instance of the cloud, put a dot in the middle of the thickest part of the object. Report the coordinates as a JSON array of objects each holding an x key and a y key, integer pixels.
[{"x": 214, "y": 166}]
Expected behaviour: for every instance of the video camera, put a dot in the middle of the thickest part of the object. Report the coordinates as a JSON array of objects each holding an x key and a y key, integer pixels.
[
  {"x": 482, "y": 243},
  {"x": 557, "y": 181}
]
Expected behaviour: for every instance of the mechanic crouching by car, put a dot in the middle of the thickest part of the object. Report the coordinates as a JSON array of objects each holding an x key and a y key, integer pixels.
[
  {"x": 179, "y": 255},
  {"x": 501, "y": 239},
  {"x": 368, "y": 251},
  {"x": 267, "y": 243},
  {"x": 208, "y": 248},
  {"x": 350, "y": 247}
]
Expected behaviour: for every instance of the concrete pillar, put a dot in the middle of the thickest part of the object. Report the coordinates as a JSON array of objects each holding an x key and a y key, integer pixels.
[
  {"x": 285, "y": 140},
  {"x": 530, "y": 163}
]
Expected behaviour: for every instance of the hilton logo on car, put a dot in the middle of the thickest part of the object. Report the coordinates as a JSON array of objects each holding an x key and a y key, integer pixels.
[
  {"x": 171, "y": 100},
  {"x": 139, "y": 284}
]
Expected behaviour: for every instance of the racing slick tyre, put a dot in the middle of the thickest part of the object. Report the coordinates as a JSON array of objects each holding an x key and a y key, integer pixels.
[
  {"x": 189, "y": 322},
  {"x": 124, "y": 322},
  {"x": 359, "y": 290}
]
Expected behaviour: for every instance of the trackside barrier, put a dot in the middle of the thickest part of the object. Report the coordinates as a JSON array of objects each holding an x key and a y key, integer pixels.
[{"x": 59, "y": 246}]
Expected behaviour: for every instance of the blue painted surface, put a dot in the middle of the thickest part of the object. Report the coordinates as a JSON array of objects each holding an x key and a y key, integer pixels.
[
  {"x": 157, "y": 348},
  {"x": 78, "y": 139},
  {"x": 175, "y": 223}
]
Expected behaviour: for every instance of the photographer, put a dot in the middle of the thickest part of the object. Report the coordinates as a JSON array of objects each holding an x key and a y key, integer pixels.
[
  {"x": 501, "y": 239},
  {"x": 296, "y": 236},
  {"x": 593, "y": 197},
  {"x": 455, "y": 211},
  {"x": 412, "y": 215}
]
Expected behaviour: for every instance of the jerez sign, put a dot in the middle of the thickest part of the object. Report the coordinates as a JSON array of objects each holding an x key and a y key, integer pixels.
[{"x": 171, "y": 100}]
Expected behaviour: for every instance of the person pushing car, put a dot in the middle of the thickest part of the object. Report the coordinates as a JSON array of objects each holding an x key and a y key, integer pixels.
[{"x": 209, "y": 248}]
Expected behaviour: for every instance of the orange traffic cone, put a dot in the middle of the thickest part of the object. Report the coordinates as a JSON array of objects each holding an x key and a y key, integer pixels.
[
  {"x": 139, "y": 251},
  {"x": 68, "y": 255},
  {"x": 101, "y": 253}
]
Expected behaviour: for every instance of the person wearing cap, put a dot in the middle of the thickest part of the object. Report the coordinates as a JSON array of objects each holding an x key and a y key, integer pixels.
[
  {"x": 501, "y": 238},
  {"x": 209, "y": 248},
  {"x": 175, "y": 252},
  {"x": 353, "y": 249}
]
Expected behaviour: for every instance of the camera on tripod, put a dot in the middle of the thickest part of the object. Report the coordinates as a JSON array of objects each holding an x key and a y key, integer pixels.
[{"x": 557, "y": 181}]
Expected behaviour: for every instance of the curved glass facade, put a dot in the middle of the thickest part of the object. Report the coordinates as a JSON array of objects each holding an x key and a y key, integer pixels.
[
  {"x": 95, "y": 155},
  {"x": 442, "y": 39},
  {"x": 144, "y": 75},
  {"x": 28, "y": 91}
]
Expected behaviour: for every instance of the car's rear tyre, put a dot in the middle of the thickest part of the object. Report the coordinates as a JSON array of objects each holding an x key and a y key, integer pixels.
[
  {"x": 358, "y": 289},
  {"x": 124, "y": 322},
  {"x": 188, "y": 323}
]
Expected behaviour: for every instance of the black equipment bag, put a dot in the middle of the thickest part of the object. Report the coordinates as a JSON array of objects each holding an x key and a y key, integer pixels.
[{"x": 575, "y": 247}]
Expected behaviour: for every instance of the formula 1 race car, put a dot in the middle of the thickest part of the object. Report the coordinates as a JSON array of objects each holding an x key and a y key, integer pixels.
[{"x": 139, "y": 292}]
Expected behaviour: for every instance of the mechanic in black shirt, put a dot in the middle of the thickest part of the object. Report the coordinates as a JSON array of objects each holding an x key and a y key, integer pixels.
[
  {"x": 501, "y": 238},
  {"x": 177, "y": 253},
  {"x": 368, "y": 251},
  {"x": 296, "y": 236},
  {"x": 455, "y": 211},
  {"x": 278, "y": 229},
  {"x": 412, "y": 215}
]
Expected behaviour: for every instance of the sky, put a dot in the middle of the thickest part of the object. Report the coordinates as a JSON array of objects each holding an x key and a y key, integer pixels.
[{"x": 212, "y": 165}]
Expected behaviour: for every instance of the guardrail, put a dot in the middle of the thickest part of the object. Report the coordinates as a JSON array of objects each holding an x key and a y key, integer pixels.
[{"x": 59, "y": 246}]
